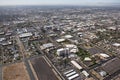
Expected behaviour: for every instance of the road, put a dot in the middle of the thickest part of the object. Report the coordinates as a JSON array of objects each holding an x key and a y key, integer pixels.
[
  {"x": 29, "y": 70},
  {"x": 1, "y": 73},
  {"x": 21, "y": 47},
  {"x": 25, "y": 60}
]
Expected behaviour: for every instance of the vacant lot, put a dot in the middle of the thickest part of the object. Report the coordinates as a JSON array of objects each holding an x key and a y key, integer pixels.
[
  {"x": 15, "y": 71},
  {"x": 42, "y": 69}
]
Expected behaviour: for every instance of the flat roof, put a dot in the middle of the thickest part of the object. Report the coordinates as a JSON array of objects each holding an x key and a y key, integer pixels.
[
  {"x": 60, "y": 40},
  {"x": 25, "y": 35},
  {"x": 48, "y": 45},
  {"x": 70, "y": 74},
  {"x": 68, "y": 36},
  {"x": 111, "y": 66},
  {"x": 72, "y": 77},
  {"x": 76, "y": 64},
  {"x": 116, "y": 44}
]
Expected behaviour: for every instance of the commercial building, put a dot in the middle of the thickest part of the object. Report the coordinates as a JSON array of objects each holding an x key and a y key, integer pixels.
[
  {"x": 23, "y": 35},
  {"x": 76, "y": 65},
  {"x": 62, "y": 51}
]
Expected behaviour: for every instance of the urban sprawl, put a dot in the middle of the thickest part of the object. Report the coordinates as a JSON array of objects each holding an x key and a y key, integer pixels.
[{"x": 59, "y": 43}]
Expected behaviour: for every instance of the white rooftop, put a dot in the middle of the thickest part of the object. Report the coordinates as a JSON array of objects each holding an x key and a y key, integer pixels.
[
  {"x": 87, "y": 59},
  {"x": 48, "y": 45},
  {"x": 70, "y": 45},
  {"x": 68, "y": 36},
  {"x": 85, "y": 73},
  {"x": 25, "y": 35},
  {"x": 104, "y": 55},
  {"x": 60, "y": 40},
  {"x": 73, "y": 76},
  {"x": 2, "y": 39},
  {"x": 103, "y": 73},
  {"x": 76, "y": 64},
  {"x": 61, "y": 49},
  {"x": 73, "y": 48},
  {"x": 116, "y": 44}
]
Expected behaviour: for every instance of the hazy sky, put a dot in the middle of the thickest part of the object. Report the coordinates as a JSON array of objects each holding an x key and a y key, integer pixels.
[{"x": 59, "y": 2}]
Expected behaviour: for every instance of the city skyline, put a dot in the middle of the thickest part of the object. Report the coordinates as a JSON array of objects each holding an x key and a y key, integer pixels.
[{"x": 61, "y": 2}]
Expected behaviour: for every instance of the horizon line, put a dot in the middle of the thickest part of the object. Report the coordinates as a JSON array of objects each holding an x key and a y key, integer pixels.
[{"x": 109, "y": 5}]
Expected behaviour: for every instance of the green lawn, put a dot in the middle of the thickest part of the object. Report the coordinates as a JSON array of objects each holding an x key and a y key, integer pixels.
[{"x": 83, "y": 53}]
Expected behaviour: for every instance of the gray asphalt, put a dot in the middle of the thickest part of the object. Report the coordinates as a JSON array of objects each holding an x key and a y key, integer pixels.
[
  {"x": 0, "y": 73},
  {"x": 29, "y": 70},
  {"x": 43, "y": 70}
]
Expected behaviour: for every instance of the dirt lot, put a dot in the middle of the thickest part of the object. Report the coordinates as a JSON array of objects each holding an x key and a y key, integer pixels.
[{"x": 15, "y": 72}]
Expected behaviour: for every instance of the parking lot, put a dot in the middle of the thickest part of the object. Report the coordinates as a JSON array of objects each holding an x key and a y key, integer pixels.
[{"x": 42, "y": 69}]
